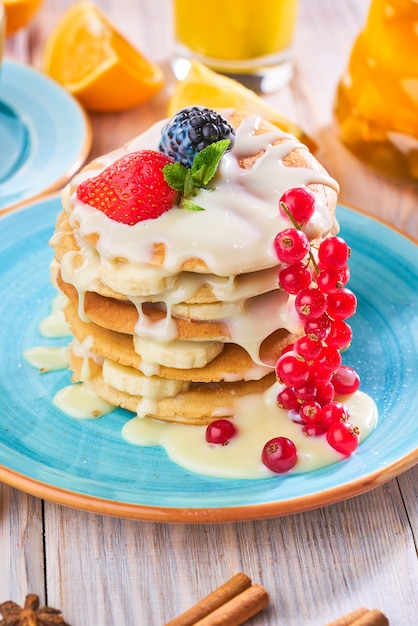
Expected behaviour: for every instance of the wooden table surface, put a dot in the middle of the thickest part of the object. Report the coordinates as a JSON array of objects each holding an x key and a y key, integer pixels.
[{"x": 316, "y": 565}]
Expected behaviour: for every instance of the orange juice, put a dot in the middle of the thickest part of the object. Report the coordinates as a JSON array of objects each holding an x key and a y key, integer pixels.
[
  {"x": 377, "y": 99},
  {"x": 236, "y": 36}
]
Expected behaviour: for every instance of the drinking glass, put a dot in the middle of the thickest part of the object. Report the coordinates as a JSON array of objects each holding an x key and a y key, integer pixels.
[{"x": 245, "y": 39}]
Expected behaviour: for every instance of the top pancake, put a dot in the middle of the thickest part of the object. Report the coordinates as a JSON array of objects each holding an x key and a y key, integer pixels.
[{"x": 262, "y": 157}]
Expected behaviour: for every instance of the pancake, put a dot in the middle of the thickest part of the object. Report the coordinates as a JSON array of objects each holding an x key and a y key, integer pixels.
[{"x": 178, "y": 317}]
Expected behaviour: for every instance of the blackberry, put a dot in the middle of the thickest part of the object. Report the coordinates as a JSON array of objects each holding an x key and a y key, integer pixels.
[{"x": 191, "y": 130}]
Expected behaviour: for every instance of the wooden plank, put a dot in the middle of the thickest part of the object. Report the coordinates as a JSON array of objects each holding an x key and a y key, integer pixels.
[
  {"x": 316, "y": 566},
  {"x": 21, "y": 546}
]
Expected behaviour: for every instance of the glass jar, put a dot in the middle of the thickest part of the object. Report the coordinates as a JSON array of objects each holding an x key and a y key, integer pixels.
[{"x": 376, "y": 104}]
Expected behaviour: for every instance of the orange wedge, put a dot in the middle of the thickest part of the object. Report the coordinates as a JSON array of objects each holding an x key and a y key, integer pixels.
[
  {"x": 208, "y": 88},
  {"x": 19, "y": 13},
  {"x": 96, "y": 64}
]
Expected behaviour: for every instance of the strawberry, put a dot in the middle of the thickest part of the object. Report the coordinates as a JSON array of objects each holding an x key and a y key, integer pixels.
[{"x": 131, "y": 189}]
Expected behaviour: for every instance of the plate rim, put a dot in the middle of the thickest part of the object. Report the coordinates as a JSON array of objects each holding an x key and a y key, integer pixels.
[
  {"x": 207, "y": 514},
  {"x": 84, "y": 150}
]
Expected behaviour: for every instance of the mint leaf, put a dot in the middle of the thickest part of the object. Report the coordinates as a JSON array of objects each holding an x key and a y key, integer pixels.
[
  {"x": 204, "y": 167},
  {"x": 175, "y": 175},
  {"x": 190, "y": 205},
  {"x": 207, "y": 161},
  {"x": 188, "y": 187}
]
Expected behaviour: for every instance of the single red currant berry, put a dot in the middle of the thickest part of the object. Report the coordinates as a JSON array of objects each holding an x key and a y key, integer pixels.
[
  {"x": 343, "y": 437},
  {"x": 287, "y": 399},
  {"x": 325, "y": 393},
  {"x": 220, "y": 431},
  {"x": 279, "y": 455},
  {"x": 300, "y": 202},
  {"x": 291, "y": 245},
  {"x": 305, "y": 392},
  {"x": 345, "y": 380},
  {"x": 319, "y": 328},
  {"x": 330, "y": 280},
  {"x": 310, "y": 303},
  {"x": 314, "y": 429},
  {"x": 309, "y": 412},
  {"x": 291, "y": 370},
  {"x": 342, "y": 304},
  {"x": 328, "y": 361},
  {"x": 318, "y": 376},
  {"x": 333, "y": 412},
  {"x": 295, "y": 277},
  {"x": 340, "y": 335},
  {"x": 308, "y": 348},
  {"x": 333, "y": 253}
]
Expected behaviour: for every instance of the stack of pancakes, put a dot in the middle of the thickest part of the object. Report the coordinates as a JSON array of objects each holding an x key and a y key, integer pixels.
[{"x": 184, "y": 336}]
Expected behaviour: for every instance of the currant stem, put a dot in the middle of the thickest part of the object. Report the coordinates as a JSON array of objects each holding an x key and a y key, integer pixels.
[{"x": 299, "y": 227}]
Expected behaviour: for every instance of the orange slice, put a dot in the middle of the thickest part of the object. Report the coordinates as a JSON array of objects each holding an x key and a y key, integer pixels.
[
  {"x": 208, "y": 88},
  {"x": 95, "y": 63},
  {"x": 19, "y": 13}
]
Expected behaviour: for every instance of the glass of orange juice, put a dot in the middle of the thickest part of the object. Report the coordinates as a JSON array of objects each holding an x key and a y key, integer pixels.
[
  {"x": 249, "y": 40},
  {"x": 376, "y": 104}
]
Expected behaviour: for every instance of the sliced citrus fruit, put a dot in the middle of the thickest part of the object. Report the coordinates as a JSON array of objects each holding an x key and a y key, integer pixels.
[
  {"x": 19, "y": 13},
  {"x": 208, "y": 88},
  {"x": 95, "y": 63}
]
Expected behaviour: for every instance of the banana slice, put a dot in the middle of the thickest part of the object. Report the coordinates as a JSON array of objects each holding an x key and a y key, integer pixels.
[
  {"x": 133, "y": 382},
  {"x": 178, "y": 354},
  {"x": 212, "y": 311},
  {"x": 135, "y": 280}
]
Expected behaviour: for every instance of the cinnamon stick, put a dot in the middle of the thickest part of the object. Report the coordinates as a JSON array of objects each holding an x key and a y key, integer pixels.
[
  {"x": 231, "y": 588},
  {"x": 362, "y": 617},
  {"x": 372, "y": 618},
  {"x": 239, "y": 609},
  {"x": 349, "y": 618}
]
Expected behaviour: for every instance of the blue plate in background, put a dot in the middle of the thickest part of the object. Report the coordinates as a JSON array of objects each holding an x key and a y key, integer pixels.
[
  {"x": 45, "y": 135},
  {"x": 87, "y": 464}
]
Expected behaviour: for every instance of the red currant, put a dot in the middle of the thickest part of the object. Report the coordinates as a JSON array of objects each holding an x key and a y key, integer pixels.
[
  {"x": 341, "y": 304},
  {"x": 305, "y": 392},
  {"x": 279, "y": 455},
  {"x": 220, "y": 431},
  {"x": 331, "y": 280},
  {"x": 310, "y": 412},
  {"x": 333, "y": 412},
  {"x": 295, "y": 277},
  {"x": 291, "y": 371},
  {"x": 345, "y": 380},
  {"x": 340, "y": 335},
  {"x": 291, "y": 245},
  {"x": 328, "y": 361},
  {"x": 343, "y": 437},
  {"x": 314, "y": 429},
  {"x": 333, "y": 253},
  {"x": 324, "y": 393},
  {"x": 287, "y": 399},
  {"x": 308, "y": 348},
  {"x": 300, "y": 202},
  {"x": 319, "y": 328},
  {"x": 310, "y": 303}
]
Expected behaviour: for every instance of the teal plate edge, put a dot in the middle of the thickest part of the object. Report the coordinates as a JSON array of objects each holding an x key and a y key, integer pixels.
[
  {"x": 87, "y": 464},
  {"x": 47, "y": 132}
]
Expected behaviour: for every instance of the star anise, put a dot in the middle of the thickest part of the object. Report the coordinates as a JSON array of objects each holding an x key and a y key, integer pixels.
[{"x": 30, "y": 614}]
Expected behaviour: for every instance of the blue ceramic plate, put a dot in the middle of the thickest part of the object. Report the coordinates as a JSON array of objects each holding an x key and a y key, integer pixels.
[
  {"x": 86, "y": 464},
  {"x": 45, "y": 135}
]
